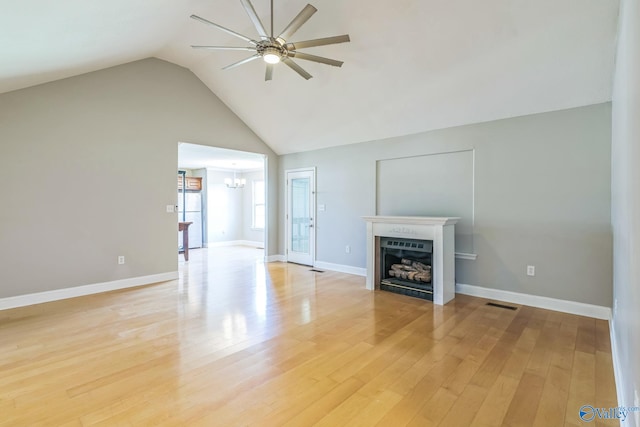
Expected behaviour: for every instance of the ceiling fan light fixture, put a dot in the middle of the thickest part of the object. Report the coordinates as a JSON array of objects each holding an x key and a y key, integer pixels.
[
  {"x": 271, "y": 55},
  {"x": 271, "y": 58}
]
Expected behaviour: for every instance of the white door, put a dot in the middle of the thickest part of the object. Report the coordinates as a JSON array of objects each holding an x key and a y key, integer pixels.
[{"x": 301, "y": 216}]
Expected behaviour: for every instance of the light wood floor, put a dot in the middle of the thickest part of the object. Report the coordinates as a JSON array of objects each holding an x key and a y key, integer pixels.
[{"x": 235, "y": 342}]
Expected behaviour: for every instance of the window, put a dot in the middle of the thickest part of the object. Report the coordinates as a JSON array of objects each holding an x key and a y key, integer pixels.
[{"x": 258, "y": 204}]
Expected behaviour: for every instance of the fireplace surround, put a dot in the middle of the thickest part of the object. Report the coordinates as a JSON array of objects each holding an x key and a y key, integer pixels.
[{"x": 437, "y": 231}]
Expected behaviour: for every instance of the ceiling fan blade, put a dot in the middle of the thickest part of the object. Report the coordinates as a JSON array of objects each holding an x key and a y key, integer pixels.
[
  {"x": 315, "y": 58},
  {"x": 269, "y": 73},
  {"x": 226, "y": 30},
  {"x": 252, "y": 49},
  {"x": 318, "y": 42},
  {"x": 297, "y": 22},
  {"x": 298, "y": 69},
  {"x": 254, "y": 18},
  {"x": 244, "y": 61}
]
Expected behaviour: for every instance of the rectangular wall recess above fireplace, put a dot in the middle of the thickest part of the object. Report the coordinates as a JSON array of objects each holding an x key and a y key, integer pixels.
[{"x": 412, "y": 256}]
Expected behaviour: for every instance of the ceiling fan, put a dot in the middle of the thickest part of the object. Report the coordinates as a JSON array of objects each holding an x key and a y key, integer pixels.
[{"x": 277, "y": 49}]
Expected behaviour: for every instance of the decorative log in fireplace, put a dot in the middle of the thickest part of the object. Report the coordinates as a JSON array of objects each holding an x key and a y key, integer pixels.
[{"x": 411, "y": 270}]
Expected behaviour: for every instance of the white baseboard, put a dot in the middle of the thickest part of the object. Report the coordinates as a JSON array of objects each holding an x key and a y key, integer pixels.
[
  {"x": 617, "y": 367},
  {"x": 251, "y": 243},
  {"x": 463, "y": 255},
  {"x": 572, "y": 307},
  {"x": 235, "y": 243},
  {"x": 358, "y": 271},
  {"x": 220, "y": 244},
  {"x": 78, "y": 291}
]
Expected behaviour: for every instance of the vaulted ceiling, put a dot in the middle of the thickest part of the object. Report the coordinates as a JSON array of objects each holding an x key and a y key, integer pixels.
[{"x": 411, "y": 65}]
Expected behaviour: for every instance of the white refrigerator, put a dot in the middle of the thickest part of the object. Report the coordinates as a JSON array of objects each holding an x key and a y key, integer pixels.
[{"x": 193, "y": 213}]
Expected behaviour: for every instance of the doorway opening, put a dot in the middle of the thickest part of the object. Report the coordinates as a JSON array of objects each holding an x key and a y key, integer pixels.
[{"x": 223, "y": 196}]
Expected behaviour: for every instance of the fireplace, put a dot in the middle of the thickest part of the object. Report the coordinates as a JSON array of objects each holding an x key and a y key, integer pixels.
[
  {"x": 406, "y": 266},
  {"x": 425, "y": 244}
]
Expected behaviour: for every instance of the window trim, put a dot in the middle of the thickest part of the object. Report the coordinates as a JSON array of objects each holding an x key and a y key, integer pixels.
[{"x": 254, "y": 204}]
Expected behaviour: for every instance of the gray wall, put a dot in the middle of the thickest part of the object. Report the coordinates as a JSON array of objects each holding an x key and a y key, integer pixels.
[
  {"x": 88, "y": 165},
  {"x": 542, "y": 197},
  {"x": 626, "y": 208}
]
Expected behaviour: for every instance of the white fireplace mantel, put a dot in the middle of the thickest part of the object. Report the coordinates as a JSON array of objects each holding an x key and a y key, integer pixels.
[{"x": 438, "y": 229}]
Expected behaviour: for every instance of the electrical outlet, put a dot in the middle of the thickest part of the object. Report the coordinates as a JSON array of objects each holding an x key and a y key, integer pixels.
[
  {"x": 121, "y": 259},
  {"x": 531, "y": 270},
  {"x": 347, "y": 249}
]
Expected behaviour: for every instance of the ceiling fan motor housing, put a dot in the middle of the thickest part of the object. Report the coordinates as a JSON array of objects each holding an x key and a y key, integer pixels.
[{"x": 271, "y": 47}]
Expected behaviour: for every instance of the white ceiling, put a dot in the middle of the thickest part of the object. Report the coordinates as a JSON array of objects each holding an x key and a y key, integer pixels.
[
  {"x": 194, "y": 156},
  {"x": 411, "y": 66}
]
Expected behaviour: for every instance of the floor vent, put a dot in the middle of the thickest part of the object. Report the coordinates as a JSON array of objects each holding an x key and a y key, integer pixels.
[
  {"x": 317, "y": 271},
  {"x": 508, "y": 307}
]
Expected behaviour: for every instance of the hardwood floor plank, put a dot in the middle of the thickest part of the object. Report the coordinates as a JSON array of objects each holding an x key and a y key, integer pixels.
[
  {"x": 605, "y": 384},
  {"x": 540, "y": 357},
  {"x": 375, "y": 410},
  {"x": 582, "y": 389},
  {"x": 553, "y": 402},
  {"x": 524, "y": 405},
  {"x": 287, "y": 407},
  {"x": 492, "y": 366},
  {"x": 236, "y": 342},
  {"x": 495, "y": 405},
  {"x": 434, "y": 411},
  {"x": 465, "y": 407},
  {"x": 516, "y": 364},
  {"x": 586, "y": 338},
  {"x": 317, "y": 409},
  {"x": 371, "y": 362},
  {"x": 348, "y": 410},
  {"x": 603, "y": 338},
  {"x": 411, "y": 403}
]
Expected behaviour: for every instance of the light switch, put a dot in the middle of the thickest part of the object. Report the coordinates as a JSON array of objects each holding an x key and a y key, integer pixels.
[
  {"x": 321, "y": 208},
  {"x": 170, "y": 209}
]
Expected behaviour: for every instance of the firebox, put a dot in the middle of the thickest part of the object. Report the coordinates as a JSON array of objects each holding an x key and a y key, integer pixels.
[{"x": 406, "y": 266}]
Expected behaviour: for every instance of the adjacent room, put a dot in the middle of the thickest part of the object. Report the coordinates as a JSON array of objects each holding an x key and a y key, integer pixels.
[
  {"x": 224, "y": 198},
  {"x": 251, "y": 212}
]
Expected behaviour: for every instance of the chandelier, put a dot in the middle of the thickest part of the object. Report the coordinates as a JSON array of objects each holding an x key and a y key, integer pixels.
[{"x": 235, "y": 182}]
